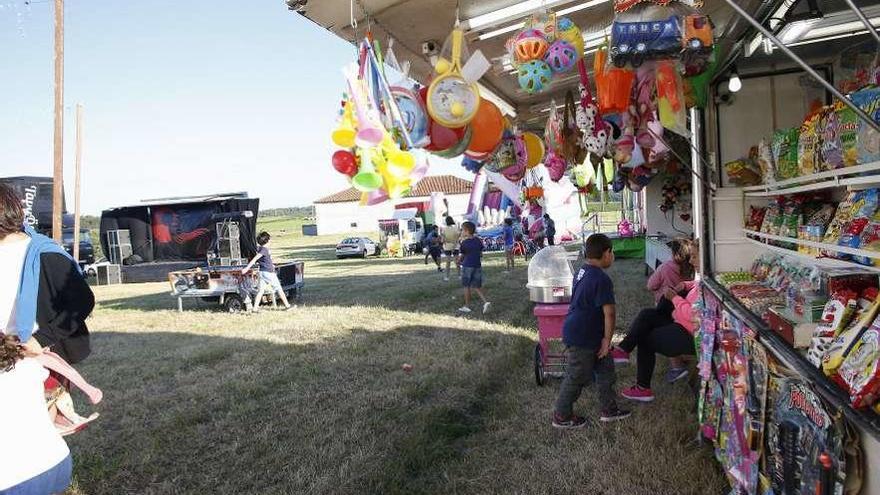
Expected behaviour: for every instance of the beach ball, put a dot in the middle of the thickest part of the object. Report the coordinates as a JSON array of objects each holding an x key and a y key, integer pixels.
[{"x": 487, "y": 128}]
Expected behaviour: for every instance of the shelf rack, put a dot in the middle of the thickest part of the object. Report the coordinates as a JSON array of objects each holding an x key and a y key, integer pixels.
[
  {"x": 840, "y": 177},
  {"x": 818, "y": 245}
]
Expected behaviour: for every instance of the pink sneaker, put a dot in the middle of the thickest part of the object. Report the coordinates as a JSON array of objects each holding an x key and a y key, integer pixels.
[
  {"x": 619, "y": 355},
  {"x": 638, "y": 394}
]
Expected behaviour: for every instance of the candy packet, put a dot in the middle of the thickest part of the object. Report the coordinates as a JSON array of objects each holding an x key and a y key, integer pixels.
[
  {"x": 864, "y": 210},
  {"x": 830, "y": 150},
  {"x": 842, "y": 217},
  {"x": 868, "y": 140},
  {"x": 808, "y": 143},
  {"x": 785, "y": 152}
]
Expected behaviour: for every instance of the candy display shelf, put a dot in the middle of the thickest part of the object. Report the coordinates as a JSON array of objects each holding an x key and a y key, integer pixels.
[
  {"x": 841, "y": 177},
  {"x": 819, "y": 245},
  {"x": 866, "y": 419},
  {"x": 829, "y": 263}
]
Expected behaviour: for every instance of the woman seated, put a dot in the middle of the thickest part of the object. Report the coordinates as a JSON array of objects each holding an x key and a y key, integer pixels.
[{"x": 667, "y": 329}]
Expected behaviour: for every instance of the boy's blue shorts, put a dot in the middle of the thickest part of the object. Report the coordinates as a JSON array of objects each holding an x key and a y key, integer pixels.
[{"x": 471, "y": 277}]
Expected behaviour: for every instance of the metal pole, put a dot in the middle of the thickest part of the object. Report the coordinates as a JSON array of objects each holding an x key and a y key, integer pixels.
[
  {"x": 809, "y": 70},
  {"x": 696, "y": 180},
  {"x": 865, "y": 21},
  {"x": 76, "y": 194},
  {"x": 58, "y": 147}
]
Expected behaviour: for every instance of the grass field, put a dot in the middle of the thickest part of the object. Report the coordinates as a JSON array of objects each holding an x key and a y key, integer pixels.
[{"x": 316, "y": 401}]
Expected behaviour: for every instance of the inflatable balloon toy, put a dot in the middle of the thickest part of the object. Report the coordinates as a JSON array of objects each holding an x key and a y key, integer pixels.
[
  {"x": 505, "y": 156},
  {"x": 345, "y": 162},
  {"x": 561, "y": 56},
  {"x": 414, "y": 115},
  {"x": 555, "y": 165},
  {"x": 487, "y": 128},
  {"x": 471, "y": 165},
  {"x": 367, "y": 179},
  {"x": 534, "y": 76},
  {"x": 518, "y": 170},
  {"x": 452, "y": 100},
  {"x": 459, "y": 147},
  {"x": 534, "y": 149}
]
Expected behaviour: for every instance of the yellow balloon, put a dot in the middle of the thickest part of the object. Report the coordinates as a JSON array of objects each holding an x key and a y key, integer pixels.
[{"x": 534, "y": 149}]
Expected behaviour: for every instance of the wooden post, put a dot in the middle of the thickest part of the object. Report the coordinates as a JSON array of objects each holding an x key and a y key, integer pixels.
[
  {"x": 58, "y": 151},
  {"x": 76, "y": 194}
]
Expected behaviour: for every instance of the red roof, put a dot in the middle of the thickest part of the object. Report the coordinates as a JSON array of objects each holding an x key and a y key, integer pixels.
[{"x": 447, "y": 184}]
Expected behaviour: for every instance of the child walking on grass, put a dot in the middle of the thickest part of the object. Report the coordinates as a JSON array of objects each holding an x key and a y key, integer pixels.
[
  {"x": 508, "y": 244},
  {"x": 263, "y": 259},
  {"x": 470, "y": 260},
  {"x": 586, "y": 334}
]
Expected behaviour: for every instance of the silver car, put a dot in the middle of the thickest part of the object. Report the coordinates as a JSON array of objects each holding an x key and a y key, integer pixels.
[{"x": 357, "y": 246}]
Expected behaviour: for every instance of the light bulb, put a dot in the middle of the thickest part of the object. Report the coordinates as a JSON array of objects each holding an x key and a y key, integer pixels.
[{"x": 735, "y": 83}]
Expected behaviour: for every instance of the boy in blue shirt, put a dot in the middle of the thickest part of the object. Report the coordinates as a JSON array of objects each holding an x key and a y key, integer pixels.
[
  {"x": 508, "y": 243},
  {"x": 268, "y": 277},
  {"x": 587, "y": 337},
  {"x": 471, "y": 266}
]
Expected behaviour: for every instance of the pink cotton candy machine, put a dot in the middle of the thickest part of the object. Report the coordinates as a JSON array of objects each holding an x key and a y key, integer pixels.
[{"x": 550, "y": 277}]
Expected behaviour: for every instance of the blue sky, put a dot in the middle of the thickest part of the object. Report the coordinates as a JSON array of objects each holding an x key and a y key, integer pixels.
[{"x": 183, "y": 97}]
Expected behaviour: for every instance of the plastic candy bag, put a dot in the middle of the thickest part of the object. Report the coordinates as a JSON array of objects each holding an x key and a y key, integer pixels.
[
  {"x": 864, "y": 209},
  {"x": 860, "y": 371},
  {"x": 830, "y": 151},
  {"x": 764, "y": 156},
  {"x": 868, "y": 140},
  {"x": 845, "y": 211},
  {"x": 613, "y": 85},
  {"x": 808, "y": 143},
  {"x": 785, "y": 153}
]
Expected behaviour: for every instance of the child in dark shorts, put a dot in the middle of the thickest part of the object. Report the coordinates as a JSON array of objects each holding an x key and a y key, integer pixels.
[{"x": 470, "y": 260}]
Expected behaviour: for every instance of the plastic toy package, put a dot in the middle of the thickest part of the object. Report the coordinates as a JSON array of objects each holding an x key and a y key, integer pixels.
[
  {"x": 785, "y": 153},
  {"x": 800, "y": 435}
]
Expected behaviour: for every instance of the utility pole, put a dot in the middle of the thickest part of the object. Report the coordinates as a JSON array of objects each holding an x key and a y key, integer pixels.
[
  {"x": 76, "y": 194},
  {"x": 58, "y": 147}
]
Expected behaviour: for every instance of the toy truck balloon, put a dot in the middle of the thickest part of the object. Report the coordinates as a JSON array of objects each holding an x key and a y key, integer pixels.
[{"x": 634, "y": 43}]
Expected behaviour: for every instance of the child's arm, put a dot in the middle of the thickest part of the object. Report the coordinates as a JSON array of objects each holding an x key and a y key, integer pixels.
[
  {"x": 660, "y": 277},
  {"x": 249, "y": 265},
  {"x": 610, "y": 317}
]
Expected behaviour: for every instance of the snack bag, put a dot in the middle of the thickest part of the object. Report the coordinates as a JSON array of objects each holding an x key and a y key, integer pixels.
[
  {"x": 785, "y": 152},
  {"x": 774, "y": 210},
  {"x": 755, "y": 218},
  {"x": 830, "y": 150},
  {"x": 849, "y": 131},
  {"x": 860, "y": 371},
  {"x": 864, "y": 211},
  {"x": 843, "y": 341},
  {"x": 842, "y": 217},
  {"x": 808, "y": 142},
  {"x": 868, "y": 140},
  {"x": 835, "y": 316},
  {"x": 764, "y": 157}
]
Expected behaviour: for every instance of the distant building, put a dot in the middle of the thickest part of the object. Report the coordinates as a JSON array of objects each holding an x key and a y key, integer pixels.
[{"x": 342, "y": 212}]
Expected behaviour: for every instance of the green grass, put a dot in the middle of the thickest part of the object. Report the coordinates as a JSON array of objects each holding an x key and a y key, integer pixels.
[{"x": 316, "y": 400}]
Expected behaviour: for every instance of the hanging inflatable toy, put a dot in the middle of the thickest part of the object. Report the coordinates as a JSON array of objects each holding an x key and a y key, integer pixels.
[
  {"x": 534, "y": 76},
  {"x": 458, "y": 148},
  {"x": 345, "y": 162},
  {"x": 487, "y": 128},
  {"x": 561, "y": 56},
  {"x": 367, "y": 179},
  {"x": 452, "y": 101},
  {"x": 530, "y": 45},
  {"x": 413, "y": 113},
  {"x": 534, "y": 149},
  {"x": 568, "y": 31},
  {"x": 471, "y": 165},
  {"x": 505, "y": 156},
  {"x": 556, "y": 166},
  {"x": 518, "y": 170}
]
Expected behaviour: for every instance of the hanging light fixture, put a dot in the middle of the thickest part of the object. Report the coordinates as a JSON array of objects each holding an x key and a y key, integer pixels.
[
  {"x": 734, "y": 84},
  {"x": 796, "y": 26}
]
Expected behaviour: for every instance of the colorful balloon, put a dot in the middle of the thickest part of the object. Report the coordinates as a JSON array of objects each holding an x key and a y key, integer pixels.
[
  {"x": 534, "y": 149},
  {"x": 487, "y": 128},
  {"x": 345, "y": 163}
]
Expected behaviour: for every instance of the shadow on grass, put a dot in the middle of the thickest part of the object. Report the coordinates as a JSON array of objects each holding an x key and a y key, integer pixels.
[{"x": 188, "y": 413}]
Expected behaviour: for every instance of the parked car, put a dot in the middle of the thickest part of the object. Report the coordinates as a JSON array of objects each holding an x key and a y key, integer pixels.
[
  {"x": 357, "y": 246},
  {"x": 91, "y": 270},
  {"x": 86, "y": 250}
]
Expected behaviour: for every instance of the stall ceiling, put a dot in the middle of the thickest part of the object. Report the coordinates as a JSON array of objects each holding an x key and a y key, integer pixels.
[{"x": 411, "y": 22}]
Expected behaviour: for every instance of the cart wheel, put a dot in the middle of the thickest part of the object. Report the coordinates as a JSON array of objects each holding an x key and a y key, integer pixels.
[
  {"x": 539, "y": 366},
  {"x": 234, "y": 303}
]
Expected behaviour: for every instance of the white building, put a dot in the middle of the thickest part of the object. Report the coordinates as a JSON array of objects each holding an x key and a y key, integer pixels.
[{"x": 342, "y": 212}]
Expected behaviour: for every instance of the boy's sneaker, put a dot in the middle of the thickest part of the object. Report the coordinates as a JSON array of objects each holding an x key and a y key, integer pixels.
[
  {"x": 464, "y": 309},
  {"x": 486, "y": 307},
  {"x": 638, "y": 394},
  {"x": 615, "y": 414},
  {"x": 676, "y": 374},
  {"x": 619, "y": 355},
  {"x": 568, "y": 423}
]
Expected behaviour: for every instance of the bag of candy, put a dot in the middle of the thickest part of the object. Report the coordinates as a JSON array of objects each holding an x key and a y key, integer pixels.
[
  {"x": 860, "y": 371},
  {"x": 843, "y": 341},
  {"x": 808, "y": 142},
  {"x": 774, "y": 210},
  {"x": 849, "y": 132},
  {"x": 830, "y": 150},
  {"x": 843, "y": 215},
  {"x": 764, "y": 157},
  {"x": 864, "y": 210},
  {"x": 785, "y": 152},
  {"x": 755, "y": 218},
  {"x": 835, "y": 316},
  {"x": 868, "y": 140}
]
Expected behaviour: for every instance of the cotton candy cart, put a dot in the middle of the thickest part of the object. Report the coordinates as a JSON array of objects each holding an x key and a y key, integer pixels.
[
  {"x": 229, "y": 287},
  {"x": 550, "y": 279}
]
